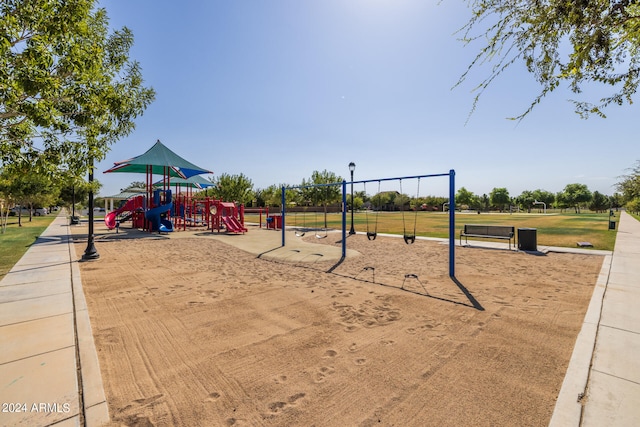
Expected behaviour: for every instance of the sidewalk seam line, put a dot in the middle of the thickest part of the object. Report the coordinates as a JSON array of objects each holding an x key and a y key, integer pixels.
[
  {"x": 615, "y": 376},
  {"x": 36, "y": 355},
  {"x": 30, "y": 298},
  {"x": 37, "y": 318},
  {"x": 621, "y": 330}
]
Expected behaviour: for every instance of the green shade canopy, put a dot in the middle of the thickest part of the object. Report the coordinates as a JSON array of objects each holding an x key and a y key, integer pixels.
[
  {"x": 161, "y": 160},
  {"x": 195, "y": 181}
]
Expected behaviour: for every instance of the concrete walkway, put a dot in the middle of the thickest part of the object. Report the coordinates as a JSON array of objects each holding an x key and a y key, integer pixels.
[
  {"x": 602, "y": 384},
  {"x": 49, "y": 372}
]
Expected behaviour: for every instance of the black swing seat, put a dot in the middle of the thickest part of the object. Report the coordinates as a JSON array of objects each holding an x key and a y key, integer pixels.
[
  {"x": 409, "y": 238},
  {"x": 371, "y": 235}
]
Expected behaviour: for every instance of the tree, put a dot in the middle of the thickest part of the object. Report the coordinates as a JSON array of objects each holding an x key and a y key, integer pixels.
[
  {"x": 616, "y": 201},
  {"x": 599, "y": 202},
  {"x": 577, "y": 195},
  {"x": 629, "y": 184},
  {"x": 546, "y": 197},
  {"x": 135, "y": 186},
  {"x": 382, "y": 199},
  {"x": 270, "y": 196},
  {"x": 526, "y": 200},
  {"x": 357, "y": 202},
  {"x": 577, "y": 42},
  {"x": 485, "y": 202},
  {"x": 67, "y": 88},
  {"x": 74, "y": 189},
  {"x": 232, "y": 188},
  {"x": 26, "y": 185},
  {"x": 464, "y": 197},
  {"x": 499, "y": 197},
  {"x": 562, "y": 202},
  {"x": 323, "y": 195}
]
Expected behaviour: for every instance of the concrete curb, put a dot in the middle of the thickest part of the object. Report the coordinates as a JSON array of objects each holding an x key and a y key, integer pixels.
[
  {"x": 96, "y": 410},
  {"x": 568, "y": 409}
]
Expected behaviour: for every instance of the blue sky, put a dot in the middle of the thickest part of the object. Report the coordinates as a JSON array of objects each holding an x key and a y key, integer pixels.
[{"x": 276, "y": 89}]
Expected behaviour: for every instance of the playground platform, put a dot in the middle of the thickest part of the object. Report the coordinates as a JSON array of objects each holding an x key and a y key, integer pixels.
[{"x": 50, "y": 376}]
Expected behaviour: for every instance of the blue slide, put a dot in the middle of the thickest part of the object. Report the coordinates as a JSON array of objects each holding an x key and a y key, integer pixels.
[{"x": 157, "y": 223}]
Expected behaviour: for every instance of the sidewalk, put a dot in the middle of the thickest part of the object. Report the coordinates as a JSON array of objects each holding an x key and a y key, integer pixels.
[
  {"x": 49, "y": 372},
  {"x": 602, "y": 383}
]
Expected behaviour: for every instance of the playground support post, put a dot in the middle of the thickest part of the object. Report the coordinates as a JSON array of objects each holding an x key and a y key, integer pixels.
[
  {"x": 344, "y": 217},
  {"x": 282, "y": 212},
  {"x": 452, "y": 223}
]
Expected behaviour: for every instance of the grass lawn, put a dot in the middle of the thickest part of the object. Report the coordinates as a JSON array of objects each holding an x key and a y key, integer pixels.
[
  {"x": 16, "y": 240},
  {"x": 563, "y": 230}
]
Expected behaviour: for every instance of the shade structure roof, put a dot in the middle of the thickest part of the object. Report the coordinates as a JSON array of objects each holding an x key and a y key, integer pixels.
[
  {"x": 161, "y": 160},
  {"x": 195, "y": 181}
]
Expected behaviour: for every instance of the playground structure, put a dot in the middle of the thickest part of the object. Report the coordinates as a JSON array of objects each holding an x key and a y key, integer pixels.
[
  {"x": 163, "y": 211},
  {"x": 152, "y": 216},
  {"x": 130, "y": 209},
  {"x": 169, "y": 213},
  {"x": 409, "y": 236}
]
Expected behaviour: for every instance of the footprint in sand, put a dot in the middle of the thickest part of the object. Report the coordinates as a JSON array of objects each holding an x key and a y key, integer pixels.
[
  {"x": 148, "y": 400},
  {"x": 360, "y": 362},
  {"x": 212, "y": 397},
  {"x": 280, "y": 379},
  {"x": 330, "y": 353},
  {"x": 353, "y": 347},
  {"x": 323, "y": 372},
  {"x": 387, "y": 342},
  {"x": 295, "y": 397},
  {"x": 276, "y": 407},
  {"x": 350, "y": 328}
]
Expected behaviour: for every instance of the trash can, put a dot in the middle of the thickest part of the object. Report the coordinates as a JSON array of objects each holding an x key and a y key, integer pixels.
[
  {"x": 612, "y": 225},
  {"x": 274, "y": 222},
  {"x": 278, "y": 221},
  {"x": 528, "y": 239},
  {"x": 75, "y": 220}
]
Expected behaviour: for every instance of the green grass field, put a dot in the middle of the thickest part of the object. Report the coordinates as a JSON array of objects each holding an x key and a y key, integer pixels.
[
  {"x": 563, "y": 230},
  {"x": 16, "y": 240}
]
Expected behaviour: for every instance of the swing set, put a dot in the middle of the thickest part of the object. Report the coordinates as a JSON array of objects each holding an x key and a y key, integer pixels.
[
  {"x": 409, "y": 233},
  {"x": 409, "y": 237}
]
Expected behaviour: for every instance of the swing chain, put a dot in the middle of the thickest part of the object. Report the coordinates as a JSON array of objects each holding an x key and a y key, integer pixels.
[{"x": 371, "y": 235}]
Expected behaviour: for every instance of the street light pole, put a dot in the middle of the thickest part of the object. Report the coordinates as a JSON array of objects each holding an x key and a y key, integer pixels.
[
  {"x": 352, "y": 167},
  {"x": 90, "y": 253}
]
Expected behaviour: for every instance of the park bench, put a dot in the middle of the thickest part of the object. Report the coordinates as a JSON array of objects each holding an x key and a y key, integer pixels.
[{"x": 504, "y": 232}]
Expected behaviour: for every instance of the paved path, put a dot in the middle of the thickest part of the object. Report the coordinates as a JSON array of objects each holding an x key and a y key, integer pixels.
[
  {"x": 602, "y": 384},
  {"x": 49, "y": 372}
]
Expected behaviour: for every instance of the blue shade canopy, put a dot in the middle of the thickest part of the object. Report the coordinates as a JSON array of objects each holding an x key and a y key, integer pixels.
[
  {"x": 160, "y": 158},
  {"x": 195, "y": 181}
]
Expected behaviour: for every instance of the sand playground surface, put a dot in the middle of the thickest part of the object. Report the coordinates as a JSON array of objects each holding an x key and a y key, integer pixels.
[{"x": 199, "y": 329}]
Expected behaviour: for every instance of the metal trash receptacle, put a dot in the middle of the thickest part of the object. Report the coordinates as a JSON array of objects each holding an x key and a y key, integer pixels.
[
  {"x": 528, "y": 239},
  {"x": 612, "y": 225}
]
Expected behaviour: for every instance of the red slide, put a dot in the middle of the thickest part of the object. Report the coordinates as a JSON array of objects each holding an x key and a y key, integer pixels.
[
  {"x": 130, "y": 205},
  {"x": 233, "y": 225}
]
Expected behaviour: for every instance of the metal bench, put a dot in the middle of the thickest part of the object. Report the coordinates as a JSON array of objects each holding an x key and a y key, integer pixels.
[{"x": 503, "y": 232}]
